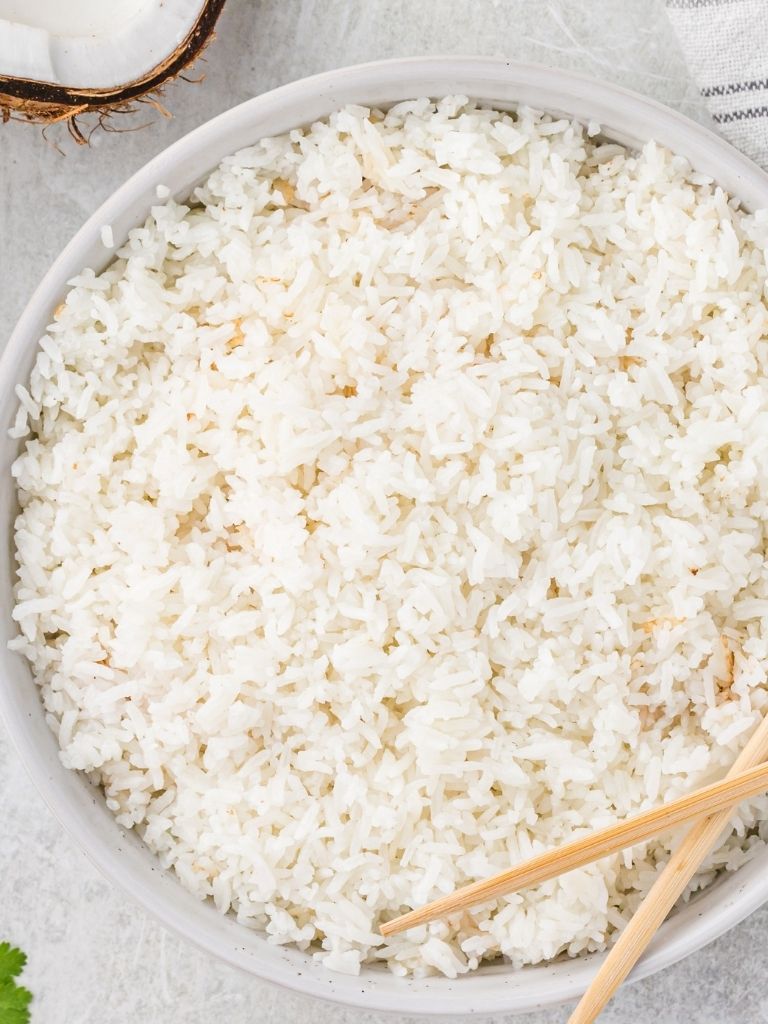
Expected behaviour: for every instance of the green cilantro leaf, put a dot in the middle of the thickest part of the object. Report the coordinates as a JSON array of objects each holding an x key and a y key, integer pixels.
[
  {"x": 14, "y": 999},
  {"x": 12, "y": 961}
]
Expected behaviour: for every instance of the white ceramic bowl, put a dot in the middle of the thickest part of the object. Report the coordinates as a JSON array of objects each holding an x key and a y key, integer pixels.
[{"x": 121, "y": 856}]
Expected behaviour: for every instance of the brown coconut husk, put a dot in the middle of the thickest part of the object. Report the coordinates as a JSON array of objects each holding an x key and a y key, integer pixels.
[{"x": 45, "y": 103}]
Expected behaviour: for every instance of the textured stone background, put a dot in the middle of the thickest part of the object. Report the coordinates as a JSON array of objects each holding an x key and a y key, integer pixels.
[{"x": 94, "y": 957}]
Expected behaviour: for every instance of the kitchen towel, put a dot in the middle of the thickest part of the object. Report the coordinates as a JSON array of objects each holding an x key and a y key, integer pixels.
[{"x": 725, "y": 43}]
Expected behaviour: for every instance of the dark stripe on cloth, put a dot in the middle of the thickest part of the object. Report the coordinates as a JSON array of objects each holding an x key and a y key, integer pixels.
[
  {"x": 735, "y": 87},
  {"x": 740, "y": 115},
  {"x": 686, "y": 5}
]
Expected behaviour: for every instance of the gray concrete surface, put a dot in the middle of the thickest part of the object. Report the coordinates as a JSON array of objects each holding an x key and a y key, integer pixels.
[{"x": 94, "y": 958}]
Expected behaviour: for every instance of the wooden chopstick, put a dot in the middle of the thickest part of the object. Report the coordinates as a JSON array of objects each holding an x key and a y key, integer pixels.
[
  {"x": 681, "y": 867},
  {"x": 719, "y": 797}
]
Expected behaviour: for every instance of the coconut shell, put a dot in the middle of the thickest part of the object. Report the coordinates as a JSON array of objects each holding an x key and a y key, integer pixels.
[{"x": 47, "y": 103}]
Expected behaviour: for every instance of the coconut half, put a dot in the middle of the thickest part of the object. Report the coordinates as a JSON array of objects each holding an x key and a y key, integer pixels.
[{"x": 60, "y": 59}]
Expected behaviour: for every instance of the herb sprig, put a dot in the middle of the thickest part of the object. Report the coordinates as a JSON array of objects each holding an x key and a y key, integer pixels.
[{"x": 14, "y": 998}]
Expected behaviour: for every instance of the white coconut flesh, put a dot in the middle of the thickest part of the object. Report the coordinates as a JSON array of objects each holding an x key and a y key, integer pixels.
[{"x": 90, "y": 44}]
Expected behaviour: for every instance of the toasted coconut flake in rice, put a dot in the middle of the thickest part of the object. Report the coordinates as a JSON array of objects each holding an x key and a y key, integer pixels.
[{"x": 663, "y": 622}]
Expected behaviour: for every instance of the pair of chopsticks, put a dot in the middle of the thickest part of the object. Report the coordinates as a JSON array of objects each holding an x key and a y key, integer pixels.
[{"x": 712, "y": 804}]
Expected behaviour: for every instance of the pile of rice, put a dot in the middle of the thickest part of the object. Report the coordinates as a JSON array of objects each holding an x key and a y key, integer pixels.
[{"x": 397, "y": 510}]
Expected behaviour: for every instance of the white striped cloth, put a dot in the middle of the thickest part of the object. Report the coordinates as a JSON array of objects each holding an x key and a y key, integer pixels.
[{"x": 725, "y": 43}]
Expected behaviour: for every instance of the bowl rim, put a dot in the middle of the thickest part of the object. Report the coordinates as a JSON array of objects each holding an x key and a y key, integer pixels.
[{"x": 546, "y": 985}]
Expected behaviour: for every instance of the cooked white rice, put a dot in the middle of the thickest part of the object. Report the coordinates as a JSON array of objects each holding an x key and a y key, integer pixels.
[{"x": 396, "y": 511}]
